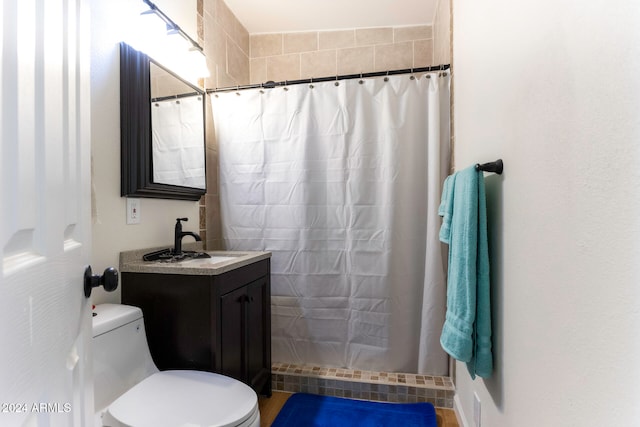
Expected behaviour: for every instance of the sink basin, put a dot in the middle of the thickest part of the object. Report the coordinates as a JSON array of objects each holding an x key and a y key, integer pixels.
[
  {"x": 215, "y": 259},
  {"x": 191, "y": 259},
  {"x": 166, "y": 255}
]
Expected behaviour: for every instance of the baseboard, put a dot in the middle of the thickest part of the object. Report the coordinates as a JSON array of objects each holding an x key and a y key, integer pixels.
[{"x": 457, "y": 407}]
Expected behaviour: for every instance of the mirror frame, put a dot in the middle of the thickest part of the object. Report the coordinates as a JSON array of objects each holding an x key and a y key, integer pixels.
[{"x": 136, "y": 173}]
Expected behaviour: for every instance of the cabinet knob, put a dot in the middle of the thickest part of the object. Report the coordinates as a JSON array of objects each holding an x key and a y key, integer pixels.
[{"x": 244, "y": 298}]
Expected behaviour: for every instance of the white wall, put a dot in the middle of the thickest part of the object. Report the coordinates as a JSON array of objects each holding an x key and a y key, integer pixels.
[
  {"x": 111, "y": 234},
  {"x": 553, "y": 87},
  {"x": 182, "y": 12}
]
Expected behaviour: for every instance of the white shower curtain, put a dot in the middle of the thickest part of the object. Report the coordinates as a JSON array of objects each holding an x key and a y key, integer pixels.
[
  {"x": 341, "y": 181},
  {"x": 178, "y": 142}
]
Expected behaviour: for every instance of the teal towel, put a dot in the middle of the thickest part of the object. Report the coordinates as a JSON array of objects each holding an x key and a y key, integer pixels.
[{"x": 466, "y": 334}]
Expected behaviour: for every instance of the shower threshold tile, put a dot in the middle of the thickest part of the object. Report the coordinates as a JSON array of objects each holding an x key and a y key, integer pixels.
[{"x": 359, "y": 384}]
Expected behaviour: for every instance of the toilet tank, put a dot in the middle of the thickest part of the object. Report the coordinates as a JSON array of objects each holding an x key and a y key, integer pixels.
[{"x": 121, "y": 357}]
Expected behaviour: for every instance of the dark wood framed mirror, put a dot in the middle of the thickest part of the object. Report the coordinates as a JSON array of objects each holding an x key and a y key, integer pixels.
[{"x": 140, "y": 140}]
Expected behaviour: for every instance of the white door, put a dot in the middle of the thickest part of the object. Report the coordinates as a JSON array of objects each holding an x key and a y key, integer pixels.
[{"x": 45, "y": 326}]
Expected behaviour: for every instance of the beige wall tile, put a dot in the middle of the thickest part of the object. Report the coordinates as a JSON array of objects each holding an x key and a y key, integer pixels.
[
  {"x": 201, "y": 32},
  {"x": 237, "y": 63},
  {"x": 164, "y": 84},
  {"x": 209, "y": 6},
  {"x": 395, "y": 56},
  {"x": 233, "y": 26},
  {"x": 212, "y": 169},
  {"x": 355, "y": 50},
  {"x": 224, "y": 79},
  {"x": 212, "y": 80},
  {"x": 372, "y": 36},
  {"x": 418, "y": 32},
  {"x": 442, "y": 34},
  {"x": 210, "y": 142},
  {"x": 225, "y": 17},
  {"x": 318, "y": 64},
  {"x": 423, "y": 53},
  {"x": 218, "y": 245},
  {"x": 265, "y": 45},
  {"x": 215, "y": 47},
  {"x": 355, "y": 60},
  {"x": 242, "y": 38},
  {"x": 284, "y": 67},
  {"x": 300, "y": 42},
  {"x": 336, "y": 39},
  {"x": 214, "y": 225},
  {"x": 258, "y": 70}
]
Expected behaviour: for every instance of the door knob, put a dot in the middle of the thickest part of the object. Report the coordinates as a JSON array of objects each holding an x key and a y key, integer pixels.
[{"x": 108, "y": 280}]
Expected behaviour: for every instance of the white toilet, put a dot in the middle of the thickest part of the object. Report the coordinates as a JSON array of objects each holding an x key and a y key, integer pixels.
[{"x": 130, "y": 391}]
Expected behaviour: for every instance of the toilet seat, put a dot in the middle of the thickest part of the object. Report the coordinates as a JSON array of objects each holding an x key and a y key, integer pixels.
[{"x": 187, "y": 399}]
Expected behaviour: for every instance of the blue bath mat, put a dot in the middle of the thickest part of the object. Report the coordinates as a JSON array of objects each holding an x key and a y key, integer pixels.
[{"x": 309, "y": 410}]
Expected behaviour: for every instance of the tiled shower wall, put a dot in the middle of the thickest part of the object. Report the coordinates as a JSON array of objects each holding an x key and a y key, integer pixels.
[
  {"x": 226, "y": 45},
  {"x": 301, "y": 55},
  {"x": 442, "y": 33},
  {"x": 442, "y": 49}
]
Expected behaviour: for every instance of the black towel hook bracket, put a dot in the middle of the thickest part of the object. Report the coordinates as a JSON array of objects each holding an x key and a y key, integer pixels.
[{"x": 495, "y": 167}]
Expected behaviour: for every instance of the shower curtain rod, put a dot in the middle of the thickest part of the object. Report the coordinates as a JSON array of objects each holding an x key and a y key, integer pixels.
[
  {"x": 272, "y": 84},
  {"x": 182, "y": 95}
]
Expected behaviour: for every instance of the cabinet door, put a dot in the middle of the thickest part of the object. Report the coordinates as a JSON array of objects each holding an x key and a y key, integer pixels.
[
  {"x": 232, "y": 337},
  {"x": 245, "y": 348},
  {"x": 257, "y": 333}
]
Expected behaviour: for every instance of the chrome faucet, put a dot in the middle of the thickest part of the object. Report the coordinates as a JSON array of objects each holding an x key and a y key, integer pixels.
[{"x": 179, "y": 234}]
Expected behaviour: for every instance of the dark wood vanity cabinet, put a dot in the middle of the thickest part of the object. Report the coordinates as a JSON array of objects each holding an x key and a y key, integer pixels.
[{"x": 216, "y": 323}]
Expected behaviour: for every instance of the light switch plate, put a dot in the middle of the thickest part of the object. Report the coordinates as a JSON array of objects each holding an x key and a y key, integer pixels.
[{"x": 133, "y": 211}]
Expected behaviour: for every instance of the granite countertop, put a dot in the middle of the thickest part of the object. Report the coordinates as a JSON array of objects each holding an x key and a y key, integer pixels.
[{"x": 132, "y": 262}]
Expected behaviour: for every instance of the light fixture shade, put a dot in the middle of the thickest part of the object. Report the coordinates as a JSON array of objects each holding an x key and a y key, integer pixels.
[
  {"x": 145, "y": 32},
  {"x": 198, "y": 63}
]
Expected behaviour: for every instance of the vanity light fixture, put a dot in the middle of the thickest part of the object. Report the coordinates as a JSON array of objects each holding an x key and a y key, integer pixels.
[{"x": 163, "y": 40}]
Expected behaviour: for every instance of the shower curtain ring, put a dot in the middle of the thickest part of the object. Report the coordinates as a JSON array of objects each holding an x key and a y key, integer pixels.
[
  {"x": 361, "y": 81},
  {"x": 285, "y": 85}
]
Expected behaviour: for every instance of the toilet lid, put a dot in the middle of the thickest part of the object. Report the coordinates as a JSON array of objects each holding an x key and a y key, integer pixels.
[{"x": 185, "y": 399}]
